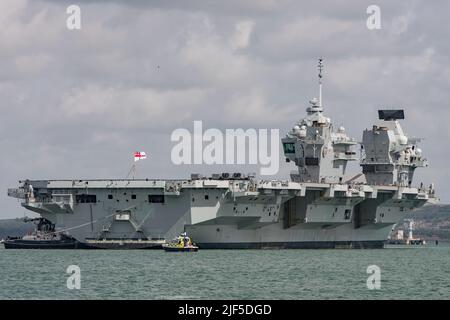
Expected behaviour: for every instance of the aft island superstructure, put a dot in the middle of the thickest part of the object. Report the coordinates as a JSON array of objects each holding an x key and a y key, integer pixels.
[{"x": 317, "y": 208}]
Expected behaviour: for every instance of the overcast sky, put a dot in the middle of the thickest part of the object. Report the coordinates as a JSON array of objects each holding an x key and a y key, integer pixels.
[{"x": 77, "y": 103}]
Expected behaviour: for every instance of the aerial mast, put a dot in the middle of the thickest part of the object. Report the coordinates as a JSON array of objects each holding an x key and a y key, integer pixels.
[{"x": 320, "y": 68}]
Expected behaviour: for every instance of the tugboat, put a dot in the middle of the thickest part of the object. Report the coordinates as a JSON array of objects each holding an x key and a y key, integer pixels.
[
  {"x": 180, "y": 244},
  {"x": 43, "y": 237}
]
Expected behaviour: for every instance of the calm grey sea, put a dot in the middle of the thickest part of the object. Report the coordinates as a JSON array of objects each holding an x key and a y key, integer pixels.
[{"x": 406, "y": 273}]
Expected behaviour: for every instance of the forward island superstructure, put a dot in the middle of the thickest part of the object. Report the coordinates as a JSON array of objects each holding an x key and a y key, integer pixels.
[{"x": 317, "y": 208}]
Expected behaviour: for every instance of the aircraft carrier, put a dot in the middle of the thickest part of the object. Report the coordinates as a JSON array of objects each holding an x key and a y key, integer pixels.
[{"x": 318, "y": 207}]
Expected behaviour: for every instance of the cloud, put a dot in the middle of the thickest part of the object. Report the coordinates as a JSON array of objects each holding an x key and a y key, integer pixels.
[
  {"x": 207, "y": 52},
  {"x": 136, "y": 107},
  {"x": 253, "y": 107},
  {"x": 241, "y": 37}
]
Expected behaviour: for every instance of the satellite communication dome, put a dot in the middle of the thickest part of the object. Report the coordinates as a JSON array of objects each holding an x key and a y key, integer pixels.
[
  {"x": 403, "y": 140},
  {"x": 302, "y": 132},
  {"x": 314, "y": 101}
]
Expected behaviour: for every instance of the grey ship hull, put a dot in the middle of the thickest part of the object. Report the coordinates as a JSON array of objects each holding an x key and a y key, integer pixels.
[
  {"x": 296, "y": 245},
  {"x": 225, "y": 214},
  {"x": 278, "y": 238}
]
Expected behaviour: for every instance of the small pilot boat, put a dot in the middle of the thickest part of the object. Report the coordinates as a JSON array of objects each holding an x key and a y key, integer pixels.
[{"x": 180, "y": 244}]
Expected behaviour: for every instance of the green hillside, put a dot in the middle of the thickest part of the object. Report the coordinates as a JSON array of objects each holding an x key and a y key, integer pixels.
[{"x": 431, "y": 222}]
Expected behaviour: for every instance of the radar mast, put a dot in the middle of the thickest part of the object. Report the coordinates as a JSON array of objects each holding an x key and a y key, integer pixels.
[{"x": 320, "y": 68}]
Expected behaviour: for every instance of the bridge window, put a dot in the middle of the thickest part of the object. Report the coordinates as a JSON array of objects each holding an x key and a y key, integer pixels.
[
  {"x": 133, "y": 196},
  {"x": 289, "y": 148},
  {"x": 110, "y": 196},
  {"x": 206, "y": 197}
]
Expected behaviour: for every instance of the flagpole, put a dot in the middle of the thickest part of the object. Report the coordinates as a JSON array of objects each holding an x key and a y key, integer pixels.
[{"x": 131, "y": 171}]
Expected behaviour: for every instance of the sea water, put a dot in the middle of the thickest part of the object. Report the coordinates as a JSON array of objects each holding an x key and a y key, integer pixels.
[{"x": 405, "y": 272}]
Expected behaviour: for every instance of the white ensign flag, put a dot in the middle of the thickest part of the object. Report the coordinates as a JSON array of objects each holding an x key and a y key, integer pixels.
[{"x": 139, "y": 156}]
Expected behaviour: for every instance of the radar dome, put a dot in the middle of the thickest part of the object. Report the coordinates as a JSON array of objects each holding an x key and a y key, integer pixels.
[
  {"x": 403, "y": 140},
  {"x": 301, "y": 132},
  {"x": 314, "y": 101}
]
